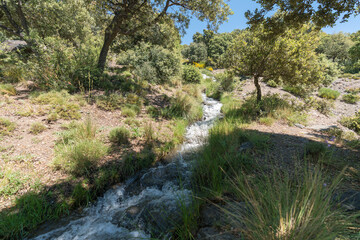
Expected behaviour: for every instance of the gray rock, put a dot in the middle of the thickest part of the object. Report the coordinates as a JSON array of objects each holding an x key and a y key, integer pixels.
[
  {"x": 299, "y": 125},
  {"x": 11, "y": 45},
  {"x": 349, "y": 200},
  {"x": 246, "y": 146},
  {"x": 320, "y": 128},
  {"x": 209, "y": 233}
]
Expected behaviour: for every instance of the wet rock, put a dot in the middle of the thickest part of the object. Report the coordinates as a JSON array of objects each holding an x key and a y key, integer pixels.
[
  {"x": 246, "y": 146},
  {"x": 349, "y": 200},
  {"x": 209, "y": 233}
]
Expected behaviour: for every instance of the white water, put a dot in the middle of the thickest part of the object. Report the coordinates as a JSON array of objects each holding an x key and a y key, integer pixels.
[{"x": 145, "y": 204}]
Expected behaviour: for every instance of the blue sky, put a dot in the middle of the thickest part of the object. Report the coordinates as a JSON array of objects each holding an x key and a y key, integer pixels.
[{"x": 238, "y": 21}]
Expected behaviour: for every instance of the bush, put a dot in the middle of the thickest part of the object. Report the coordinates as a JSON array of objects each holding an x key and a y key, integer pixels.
[
  {"x": 109, "y": 102},
  {"x": 37, "y": 128},
  {"x": 272, "y": 84},
  {"x": 351, "y": 98},
  {"x": 191, "y": 74},
  {"x": 119, "y": 136},
  {"x": 153, "y": 63},
  {"x": 315, "y": 149},
  {"x": 299, "y": 91},
  {"x": 130, "y": 110},
  {"x": 352, "y": 122},
  {"x": 226, "y": 81},
  {"x": 331, "y": 70},
  {"x": 328, "y": 93}
]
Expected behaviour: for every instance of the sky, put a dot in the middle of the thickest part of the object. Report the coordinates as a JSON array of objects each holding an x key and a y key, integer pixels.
[{"x": 238, "y": 21}]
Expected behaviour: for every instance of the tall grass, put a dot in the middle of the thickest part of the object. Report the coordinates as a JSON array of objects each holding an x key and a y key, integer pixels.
[{"x": 284, "y": 207}]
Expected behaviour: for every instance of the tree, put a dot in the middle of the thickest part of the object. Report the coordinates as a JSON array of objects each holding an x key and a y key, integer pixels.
[
  {"x": 217, "y": 48},
  {"x": 297, "y": 12},
  {"x": 289, "y": 58},
  {"x": 195, "y": 52},
  {"x": 130, "y": 16},
  {"x": 335, "y": 47}
]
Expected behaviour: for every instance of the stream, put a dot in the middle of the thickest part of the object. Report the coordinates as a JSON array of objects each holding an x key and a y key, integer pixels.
[{"x": 149, "y": 203}]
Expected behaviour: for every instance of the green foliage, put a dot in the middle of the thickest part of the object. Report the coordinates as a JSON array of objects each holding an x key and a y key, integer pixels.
[
  {"x": 315, "y": 148},
  {"x": 6, "y": 127},
  {"x": 152, "y": 63},
  {"x": 272, "y": 83},
  {"x": 191, "y": 74},
  {"x": 109, "y": 102},
  {"x": 335, "y": 46},
  {"x": 330, "y": 68},
  {"x": 184, "y": 106},
  {"x": 78, "y": 150},
  {"x": 351, "y": 98},
  {"x": 217, "y": 48},
  {"x": 352, "y": 122},
  {"x": 37, "y": 128},
  {"x": 130, "y": 110},
  {"x": 297, "y": 90},
  {"x": 195, "y": 52},
  {"x": 323, "y": 106},
  {"x": 206, "y": 72},
  {"x": 226, "y": 80},
  {"x": 7, "y": 89},
  {"x": 255, "y": 52},
  {"x": 11, "y": 182},
  {"x": 119, "y": 136},
  {"x": 62, "y": 105},
  {"x": 280, "y": 206},
  {"x": 328, "y": 93}
]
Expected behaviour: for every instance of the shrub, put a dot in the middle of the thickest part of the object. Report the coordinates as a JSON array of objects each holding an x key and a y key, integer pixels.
[
  {"x": 212, "y": 89},
  {"x": 7, "y": 89},
  {"x": 328, "y": 93},
  {"x": 130, "y": 111},
  {"x": 191, "y": 74},
  {"x": 153, "y": 63},
  {"x": 119, "y": 136},
  {"x": 226, "y": 81},
  {"x": 299, "y": 91},
  {"x": 352, "y": 122},
  {"x": 272, "y": 84},
  {"x": 37, "y": 128},
  {"x": 268, "y": 121},
  {"x": 315, "y": 149},
  {"x": 6, "y": 126},
  {"x": 207, "y": 72},
  {"x": 351, "y": 98}
]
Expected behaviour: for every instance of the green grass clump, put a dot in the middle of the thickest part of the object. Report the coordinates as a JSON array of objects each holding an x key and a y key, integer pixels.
[
  {"x": 129, "y": 111},
  {"x": 119, "y": 136},
  {"x": 212, "y": 89},
  {"x": 299, "y": 91},
  {"x": 79, "y": 157},
  {"x": 11, "y": 182},
  {"x": 272, "y": 84},
  {"x": 78, "y": 149},
  {"x": 268, "y": 121},
  {"x": 109, "y": 102},
  {"x": 62, "y": 105},
  {"x": 351, "y": 98},
  {"x": 37, "y": 128},
  {"x": 7, "y": 89},
  {"x": 328, "y": 93},
  {"x": 183, "y": 106},
  {"x": 6, "y": 127},
  {"x": 280, "y": 206},
  {"x": 315, "y": 148}
]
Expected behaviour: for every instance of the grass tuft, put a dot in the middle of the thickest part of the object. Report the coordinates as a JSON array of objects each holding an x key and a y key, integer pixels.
[
  {"x": 328, "y": 93},
  {"x": 7, "y": 89},
  {"x": 37, "y": 128},
  {"x": 119, "y": 136},
  {"x": 6, "y": 127}
]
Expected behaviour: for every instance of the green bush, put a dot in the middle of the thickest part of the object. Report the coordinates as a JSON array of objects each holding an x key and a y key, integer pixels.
[
  {"x": 299, "y": 91},
  {"x": 331, "y": 70},
  {"x": 351, "y": 98},
  {"x": 328, "y": 93},
  {"x": 352, "y": 122},
  {"x": 119, "y": 136},
  {"x": 315, "y": 149},
  {"x": 272, "y": 84},
  {"x": 109, "y": 102},
  {"x": 191, "y": 74},
  {"x": 226, "y": 80},
  {"x": 153, "y": 63}
]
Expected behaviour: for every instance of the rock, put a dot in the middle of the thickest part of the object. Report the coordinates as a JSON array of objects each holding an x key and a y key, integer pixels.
[
  {"x": 349, "y": 200},
  {"x": 11, "y": 45},
  {"x": 320, "y": 128},
  {"x": 211, "y": 215},
  {"x": 209, "y": 233},
  {"x": 246, "y": 146},
  {"x": 299, "y": 125}
]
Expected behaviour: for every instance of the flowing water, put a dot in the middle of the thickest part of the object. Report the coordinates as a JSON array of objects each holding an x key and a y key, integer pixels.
[{"x": 148, "y": 204}]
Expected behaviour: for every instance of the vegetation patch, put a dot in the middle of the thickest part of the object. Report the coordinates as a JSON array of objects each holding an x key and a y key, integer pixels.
[
  {"x": 109, "y": 102},
  {"x": 7, "y": 89},
  {"x": 6, "y": 127},
  {"x": 328, "y": 93},
  {"x": 352, "y": 123},
  {"x": 37, "y": 128},
  {"x": 119, "y": 136},
  {"x": 191, "y": 74},
  {"x": 351, "y": 98}
]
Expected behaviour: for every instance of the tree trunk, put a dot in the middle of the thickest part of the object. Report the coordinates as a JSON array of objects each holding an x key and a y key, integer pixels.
[
  {"x": 258, "y": 88},
  {"x": 110, "y": 33}
]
